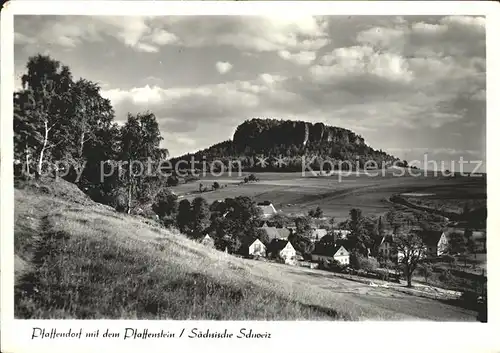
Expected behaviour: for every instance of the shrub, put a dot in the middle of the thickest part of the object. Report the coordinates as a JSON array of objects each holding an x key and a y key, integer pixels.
[
  {"x": 368, "y": 264},
  {"x": 172, "y": 180},
  {"x": 119, "y": 200},
  {"x": 216, "y": 186},
  {"x": 165, "y": 203},
  {"x": 425, "y": 270},
  {"x": 445, "y": 276},
  {"x": 252, "y": 177}
]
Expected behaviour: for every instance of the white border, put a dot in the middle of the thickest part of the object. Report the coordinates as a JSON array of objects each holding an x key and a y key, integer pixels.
[{"x": 290, "y": 336}]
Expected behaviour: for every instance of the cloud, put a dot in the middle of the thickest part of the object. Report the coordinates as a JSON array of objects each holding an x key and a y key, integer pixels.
[
  {"x": 223, "y": 67},
  {"x": 142, "y": 34},
  {"x": 257, "y": 34},
  {"x": 360, "y": 61},
  {"x": 300, "y": 58},
  {"x": 378, "y": 75}
]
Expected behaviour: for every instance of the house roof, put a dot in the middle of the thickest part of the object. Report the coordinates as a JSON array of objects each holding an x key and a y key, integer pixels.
[
  {"x": 276, "y": 245},
  {"x": 267, "y": 209},
  {"x": 276, "y": 233},
  {"x": 319, "y": 233},
  {"x": 430, "y": 237},
  {"x": 327, "y": 250},
  {"x": 387, "y": 238},
  {"x": 251, "y": 242}
]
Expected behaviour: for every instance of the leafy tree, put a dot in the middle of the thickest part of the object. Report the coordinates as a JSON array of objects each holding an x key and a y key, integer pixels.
[
  {"x": 172, "y": 180},
  {"x": 302, "y": 244},
  {"x": 470, "y": 243},
  {"x": 262, "y": 236},
  {"x": 410, "y": 249},
  {"x": 316, "y": 213},
  {"x": 368, "y": 264},
  {"x": 140, "y": 139},
  {"x": 304, "y": 227},
  {"x": 200, "y": 217},
  {"x": 457, "y": 243},
  {"x": 278, "y": 220},
  {"x": 359, "y": 239},
  {"x": 184, "y": 216},
  {"x": 91, "y": 113},
  {"x": 165, "y": 204},
  {"x": 42, "y": 108},
  {"x": 425, "y": 270}
]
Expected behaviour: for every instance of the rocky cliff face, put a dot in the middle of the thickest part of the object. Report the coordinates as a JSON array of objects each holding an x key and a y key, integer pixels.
[
  {"x": 267, "y": 132},
  {"x": 292, "y": 140}
]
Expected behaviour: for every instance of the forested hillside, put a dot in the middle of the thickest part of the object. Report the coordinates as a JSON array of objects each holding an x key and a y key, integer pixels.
[{"x": 291, "y": 141}]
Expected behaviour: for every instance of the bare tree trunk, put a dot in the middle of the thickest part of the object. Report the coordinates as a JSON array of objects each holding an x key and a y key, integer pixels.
[
  {"x": 26, "y": 153},
  {"x": 129, "y": 198},
  {"x": 44, "y": 146},
  {"x": 82, "y": 141}
]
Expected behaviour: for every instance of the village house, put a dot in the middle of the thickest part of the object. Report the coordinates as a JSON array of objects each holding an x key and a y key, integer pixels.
[
  {"x": 268, "y": 209},
  {"x": 436, "y": 242},
  {"x": 275, "y": 233},
  {"x": 282, "y": 249},
  {"x": 208, "y": 241},
  {"x": 339, "y": 234},
  {"x": 386, "y": 248},
  {"x": 318, "y": 233},
  {"x": 329, "y": 253},
  {"x": 253, "y": 248}
]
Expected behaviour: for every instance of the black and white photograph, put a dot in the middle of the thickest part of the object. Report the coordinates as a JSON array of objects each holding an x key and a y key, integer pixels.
[
  {"x": 250, "y": 168},
  {"x": 272, "y": 167}
]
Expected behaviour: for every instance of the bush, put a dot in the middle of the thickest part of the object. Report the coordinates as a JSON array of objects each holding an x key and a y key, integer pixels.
[
  {"x": 368, "y": 264},
  {"x": 165, "y": 203},
  {"x": 216, "y": 186},
  {"x": 252, "y": 177},
  {"x": 172, "y": 180},
  {"x": 445, "y": 276}
]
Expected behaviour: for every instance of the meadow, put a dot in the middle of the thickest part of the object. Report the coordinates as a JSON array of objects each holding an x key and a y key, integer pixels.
[
  {"x": 76, "y": 259},
  {"x": 294, "y": 193}
]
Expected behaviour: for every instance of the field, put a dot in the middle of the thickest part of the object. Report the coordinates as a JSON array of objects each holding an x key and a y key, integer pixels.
[
  {"x": 80, "y": 260},
  {"x": 294, "y": 193}
]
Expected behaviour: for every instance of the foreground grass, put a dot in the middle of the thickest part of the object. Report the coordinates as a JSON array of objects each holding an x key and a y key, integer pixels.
[
  {"x": 88, "y": 263},
  {"x": 81, "y": 260}
]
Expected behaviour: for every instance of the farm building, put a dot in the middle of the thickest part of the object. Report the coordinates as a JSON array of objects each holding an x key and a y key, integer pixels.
[
  {"x": 282, "y": 249},
  {"x": 386, "y": 247},
  {"x": 436, "y": 242},
  {"x": 318, "y": 233},
  {"x": 340, "y": 234},
  {"x": 276, "y": 233},
  {"x": 329, "y": 253},
  {"x": 208, "y": 241},
  {"x": 254, "y": 248},
  {"x": 268, "y": 210}
]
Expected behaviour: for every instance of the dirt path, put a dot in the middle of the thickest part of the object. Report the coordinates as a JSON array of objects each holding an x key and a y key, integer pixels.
[{"x": 371, "y": 302}]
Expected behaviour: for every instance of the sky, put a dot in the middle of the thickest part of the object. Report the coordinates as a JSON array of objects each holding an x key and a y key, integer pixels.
[{"x": 411, "y": 86}]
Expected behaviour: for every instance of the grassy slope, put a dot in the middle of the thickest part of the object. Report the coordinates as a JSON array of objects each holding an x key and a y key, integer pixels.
[{"x": 82, "y": 260}]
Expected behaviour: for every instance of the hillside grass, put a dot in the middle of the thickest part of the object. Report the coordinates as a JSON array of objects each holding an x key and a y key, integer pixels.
[
  {"x": 81, "y": 260},
  {"x": 87, "y": 262}
]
